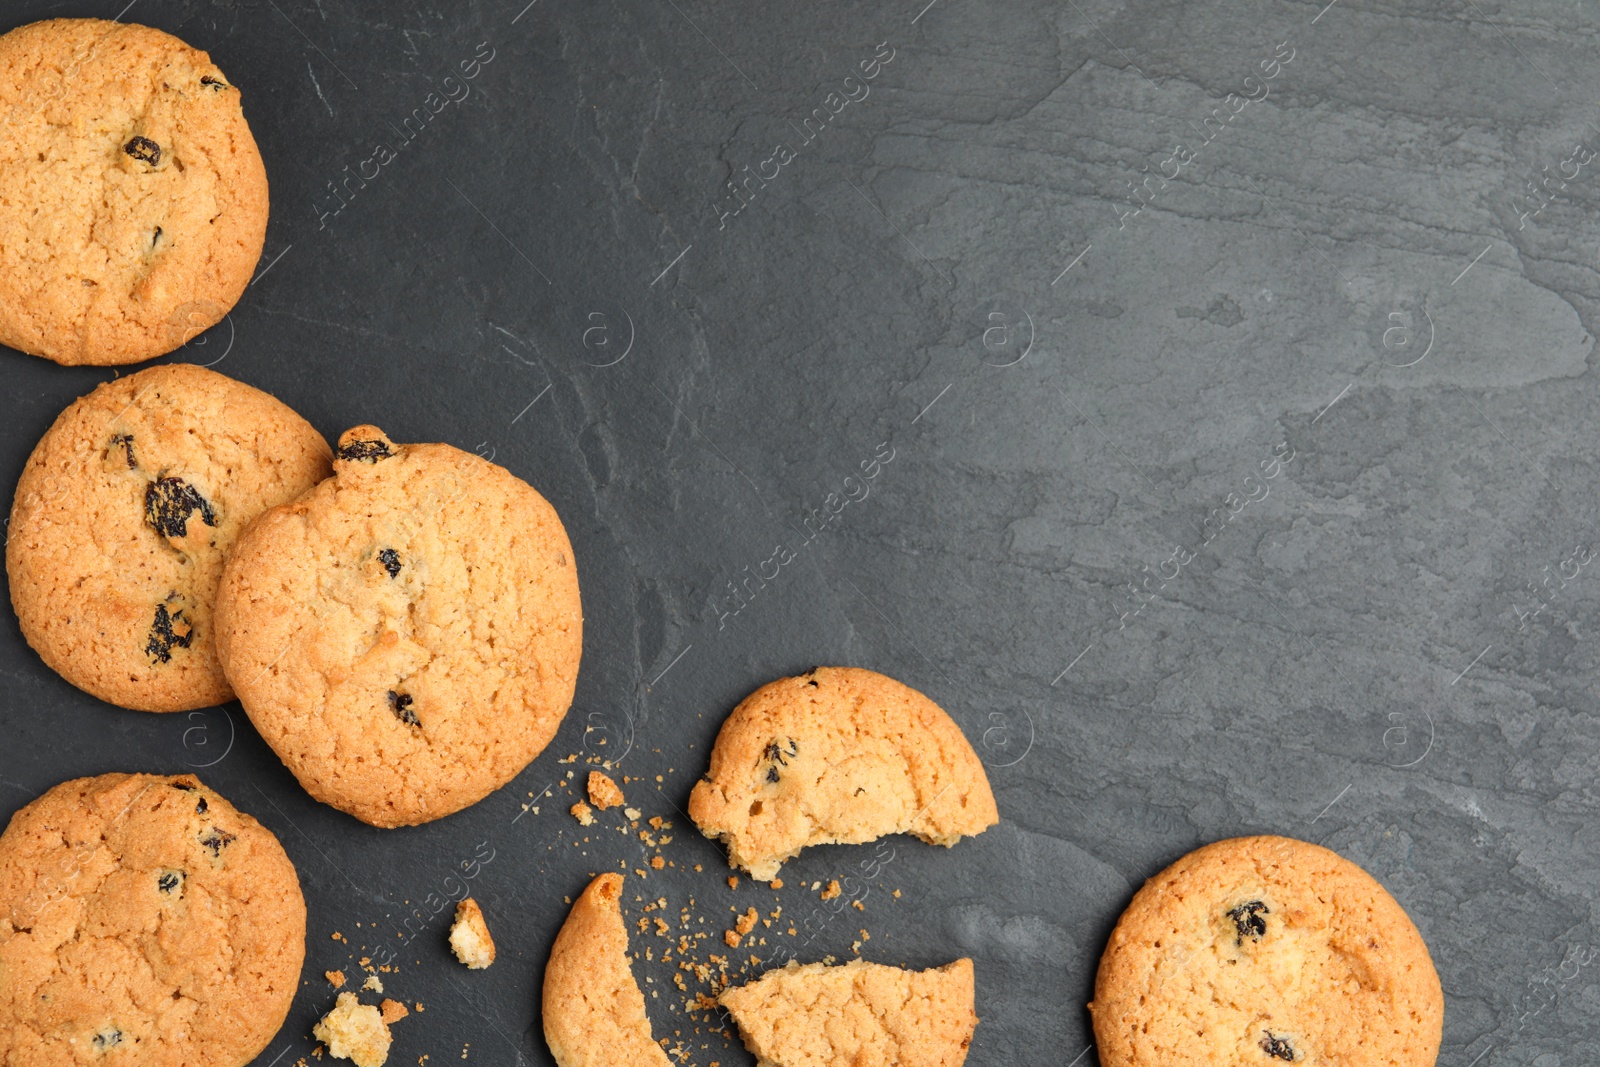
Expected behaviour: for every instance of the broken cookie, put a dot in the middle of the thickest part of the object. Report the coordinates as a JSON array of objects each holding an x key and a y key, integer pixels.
[{"x": 469, "y": 936}]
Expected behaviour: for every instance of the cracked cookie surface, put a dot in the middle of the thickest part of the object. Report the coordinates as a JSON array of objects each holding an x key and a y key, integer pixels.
[
  {"x": 127, "y": 937},
  {"x": 593, "y": 1009},
  {"x": 858, "y": 1014},
  {"x": 122, "y": 518},
  {"x": 840, "y": 755},
  {"x": 133, "y": 199},
  {"x": 406, "y": 635},
  {"x": 1266, "y": 950}
]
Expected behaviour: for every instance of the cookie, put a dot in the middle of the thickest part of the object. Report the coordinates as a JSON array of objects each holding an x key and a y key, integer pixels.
[
  {"x": 133, "y": 201},
  {"x": 405, "y": 635},
  {"x": 145, "y": 921},
  {"x": 593, "y": 1009},
  {"x": 469, "y": 936},
  {"x": 839, "y": 755},
  {"x": 122, "y": 518},
  {"x": 858, "y": 1014},
  {"x": 355, "y": 1031},
  {"x": 1263, "y": 951}
]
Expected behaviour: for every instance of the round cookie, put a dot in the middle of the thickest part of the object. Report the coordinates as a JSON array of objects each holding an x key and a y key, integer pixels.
[
  {"x": 406, "y": 635},
  {"x": 1263, "y": 951},
  {"x": 144, "y": 921},
  {"x": 123, "y": 515},
  {"x": 133, "y": 200},
  {"x": 838, "y": 755}
]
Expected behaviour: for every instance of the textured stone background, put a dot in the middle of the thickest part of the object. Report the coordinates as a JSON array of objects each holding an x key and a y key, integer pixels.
[{"x": 1073, "y": 364}]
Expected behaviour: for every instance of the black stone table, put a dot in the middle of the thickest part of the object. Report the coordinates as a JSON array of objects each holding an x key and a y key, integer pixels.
[{"x": 1195, "y": 400}]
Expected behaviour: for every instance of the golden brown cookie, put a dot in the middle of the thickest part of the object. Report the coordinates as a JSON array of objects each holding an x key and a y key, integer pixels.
[
  {"x": 1260, "y": 951},
  {"x": 593, "y": 1010},
  {"x": 839, "y": 755},
  {"x": 355, "y": 1031},
  {"x": 133, "y": 201},
  {"x": 123, "y": 515},
  {"x": 405, "y": 635},
  {"x": 858, "y": 1014},
  {"x": 145, "y": 921}
]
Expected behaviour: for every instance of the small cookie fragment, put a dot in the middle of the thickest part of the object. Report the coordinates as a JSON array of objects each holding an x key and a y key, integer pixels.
[
  {"x": 593, "y": 1010},
  {"x": 603, "y": 792},
  {"x": 355, "y": 1031},
  {"x": 858, "y": 1014},
  {"x": 839, "y": 755},
  {"x": 469, "y": 936},
  {"x": 335, "y": 978},
  {"x": 393, "y": 1011},
  {"x": 1288, "y": 952},
  {"x": 583, "y": 813}
]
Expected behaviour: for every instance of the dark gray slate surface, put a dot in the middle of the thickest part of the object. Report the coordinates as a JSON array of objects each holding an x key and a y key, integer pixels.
[{"x": 1073, "y": 362}]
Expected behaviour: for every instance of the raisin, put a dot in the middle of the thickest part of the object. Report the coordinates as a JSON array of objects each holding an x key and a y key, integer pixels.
[
  {"x": 169, "y": 880},
  {"x": 126, "y": 441},
  {"x": 213, "y": 840},
  {"x": 368, "y": 451},
  {"x": 168, "y": 503},
  {"x": 216, "y": 84},
  {"x": 1248, "y": 921},
  {"x": 772, "y": 774},
  {"x": 185, "y": 786},
  {"x": 1278, "y": 1047},
  {"x": 109, "y": 1037},
  {"x": 144, "y": 149},
  {"x": 400, "y": 704},
  {"x": 200, "y": 808},
  {"x": 391, "y": 561},
  {"x": 163, "y": 638}
]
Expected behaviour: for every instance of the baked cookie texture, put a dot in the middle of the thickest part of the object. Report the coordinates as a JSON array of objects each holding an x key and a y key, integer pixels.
[
  {"x": 145, "y": 921},
  {"x": 470, "y": 939},
  {"x": 1264, "y": 951},
  {"x": 355, "y": 1031},
  {"x": 123, "y": 515},
  {"x": 593, "y": 1010},
  {"x": 405, "y": 635},
  {"x": 858, "y": 1014},
  {"x": 133, "y": 200},
  {"x": 839, "y": 755}
]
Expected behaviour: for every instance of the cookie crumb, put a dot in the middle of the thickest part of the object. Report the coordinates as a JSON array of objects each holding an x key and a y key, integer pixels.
[
  {"x": 583, "y": 813},
  {"x": 355, "y": 1031},
  {"x": 469, "y": 936},
  {"x": 657, "y": 862},
  {"x": 777, "y": 883},
  {"x": 832, "y": 890},
  {"x": 335, "y": 978},
  {"x": 632, "y": 814},
  {"x": 373, "y": 984},
  {"x": 393, "y": 1011},
  {"x": 603, "y": 792},
  {"x": 733, "y": 880}
]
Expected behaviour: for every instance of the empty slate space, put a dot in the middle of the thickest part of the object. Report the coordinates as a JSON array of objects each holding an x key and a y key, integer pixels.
[{"x": 1196, "y": 402}]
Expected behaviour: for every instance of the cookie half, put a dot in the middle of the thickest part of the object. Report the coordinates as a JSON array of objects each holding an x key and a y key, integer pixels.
[
  {"x": 133, "y": 200},
  {"x": 858, "y": 1014},
  {"x": 593, "y": 1009},
  {"x": 406, "y": 635},
  {"x": 122, "y": 518},
  {"x": 145, "y": 921},
  {"x": 839, "y": 755},
  {"x": 1264, "y": 951}
]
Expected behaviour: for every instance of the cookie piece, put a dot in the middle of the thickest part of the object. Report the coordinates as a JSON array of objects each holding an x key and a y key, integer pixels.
[
  {"x": 469, "y": 936},
  {"x": 593, "y": 1009},
  {"x": 355, "y": 1031},
  {"x": 405, "y": 635},
  {"x": 839, "y": 755},
  {"x": 604, "y": 792},
  {"x": 133, "y": 201},
  {"x": 858, "y": 1014},
  {"x": 144, "y": 918},
  {"x": 1262, "y": 951},
  {"x": 122, "y": 518}
]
